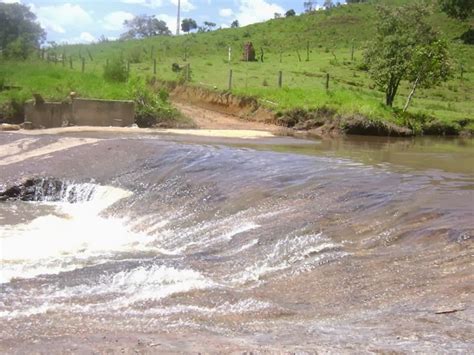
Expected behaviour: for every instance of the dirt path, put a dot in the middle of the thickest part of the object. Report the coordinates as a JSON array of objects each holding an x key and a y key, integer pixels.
[{"x": 208, "y": 119}]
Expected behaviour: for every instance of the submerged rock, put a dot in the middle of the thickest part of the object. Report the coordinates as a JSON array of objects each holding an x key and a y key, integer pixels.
[{"x": 35, "y": 189}]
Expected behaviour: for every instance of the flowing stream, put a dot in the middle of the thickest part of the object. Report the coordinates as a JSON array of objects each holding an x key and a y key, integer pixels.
[{"x": 278, "y": 246}]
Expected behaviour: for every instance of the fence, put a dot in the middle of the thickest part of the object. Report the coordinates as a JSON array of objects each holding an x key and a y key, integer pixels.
[{"x": 273, "y": 69}]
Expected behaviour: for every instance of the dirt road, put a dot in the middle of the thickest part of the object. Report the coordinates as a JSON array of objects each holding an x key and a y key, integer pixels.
[{"x": 208, "y": 119}]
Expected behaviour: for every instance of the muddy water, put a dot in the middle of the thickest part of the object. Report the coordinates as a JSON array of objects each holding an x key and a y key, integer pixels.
[{"x": 171, "y": 244}]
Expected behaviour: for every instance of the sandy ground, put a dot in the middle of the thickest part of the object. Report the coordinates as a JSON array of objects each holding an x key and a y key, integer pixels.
[
  {"x": 208, "y": 119},
  {"x": 224, "y": 133}
]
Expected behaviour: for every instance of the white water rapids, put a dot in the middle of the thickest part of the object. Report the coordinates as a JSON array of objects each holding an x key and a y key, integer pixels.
[{"x": 78, "y": 235}]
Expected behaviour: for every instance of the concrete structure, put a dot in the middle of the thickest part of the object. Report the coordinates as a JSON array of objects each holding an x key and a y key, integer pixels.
[
  {"x": 48, "y": 114},
  {"x": 80, "y": 112}
]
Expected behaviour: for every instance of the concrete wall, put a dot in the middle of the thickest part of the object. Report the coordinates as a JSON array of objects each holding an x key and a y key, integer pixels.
[
  {"x": 48, "y": 114},
  {"x": 81, "y": 112},
  {"x": 103, "y": 113}
]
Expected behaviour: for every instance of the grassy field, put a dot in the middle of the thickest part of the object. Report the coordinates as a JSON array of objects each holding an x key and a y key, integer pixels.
[{"x": 330, "y": 37}]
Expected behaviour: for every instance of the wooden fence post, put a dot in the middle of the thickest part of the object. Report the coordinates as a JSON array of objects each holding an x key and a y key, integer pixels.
[
  {"x": 230, "y": 79},
  {"x": 154, "y": 66},
  {"x": 280, "y": 79},
  {"x": 188, "y": 72},
  {"x": 83, "y": 64},
  {"x": 307, "y": 51},
  {"x": 352, "y": 51},
  {"x": 299, "y": 55},
  {"x": 70, "y": 62},
  {"x": 327, "y": 81}
]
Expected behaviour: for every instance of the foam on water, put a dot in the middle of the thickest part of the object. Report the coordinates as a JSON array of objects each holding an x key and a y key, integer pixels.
[
  {"x": 125, "y": 289},
  {"x": 70, "y": 238},
  {"x": 296, "y": 253}
]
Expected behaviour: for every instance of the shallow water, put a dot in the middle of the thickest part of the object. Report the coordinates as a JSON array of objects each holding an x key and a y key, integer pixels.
[{"x": 282, "y": 244}]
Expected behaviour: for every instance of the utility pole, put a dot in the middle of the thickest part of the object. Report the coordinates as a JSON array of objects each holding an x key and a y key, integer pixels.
[{"x": 179, "y": 18}]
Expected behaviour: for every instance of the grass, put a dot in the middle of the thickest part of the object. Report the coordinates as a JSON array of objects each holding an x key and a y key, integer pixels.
[{"x": 329, "y": 34}]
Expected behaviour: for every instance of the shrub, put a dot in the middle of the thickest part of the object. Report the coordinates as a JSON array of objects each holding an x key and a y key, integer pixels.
[
  {"x": 175, "y": 67},
  {"x": 150, "y": 109},
  {"x": 116, "y": 71}
]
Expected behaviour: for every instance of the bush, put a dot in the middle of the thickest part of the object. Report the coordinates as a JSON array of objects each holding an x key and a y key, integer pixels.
[
  {"x": 116, "y": 71},
  {"x": 175, "y": 67},
  {"x": 151, "y": 109}
]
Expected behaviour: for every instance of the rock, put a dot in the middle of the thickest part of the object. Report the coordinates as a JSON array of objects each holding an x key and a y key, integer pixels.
[
  {"x": 249, "y": 52},
  {"x": 9, "y": 127},
  {"x": 27, "y": 125}
]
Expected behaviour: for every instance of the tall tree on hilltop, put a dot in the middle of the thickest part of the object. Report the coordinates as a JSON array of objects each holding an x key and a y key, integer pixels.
[
  {"x": 188, "y": 25},
  {"x": 19, "y": 32},
  {"x": 143, "y": 26}
]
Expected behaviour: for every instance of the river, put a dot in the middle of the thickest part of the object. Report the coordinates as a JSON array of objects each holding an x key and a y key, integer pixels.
[{"x": 161, "y": 243}]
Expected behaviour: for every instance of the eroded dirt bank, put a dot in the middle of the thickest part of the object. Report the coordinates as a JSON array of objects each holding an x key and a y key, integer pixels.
[{"x": 321, "y": 122}]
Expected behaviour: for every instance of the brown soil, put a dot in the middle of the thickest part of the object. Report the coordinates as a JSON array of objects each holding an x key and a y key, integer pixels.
[
  {"x": 212, "y": 109},
  {"x": 206, "y": 118}
]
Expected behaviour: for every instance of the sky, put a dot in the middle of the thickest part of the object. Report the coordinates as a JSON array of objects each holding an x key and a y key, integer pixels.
[{"x": 85, "y": 21}]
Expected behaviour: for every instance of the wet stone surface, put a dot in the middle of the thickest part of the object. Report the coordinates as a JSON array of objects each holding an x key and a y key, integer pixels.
[{"x": 146, "y": 244}]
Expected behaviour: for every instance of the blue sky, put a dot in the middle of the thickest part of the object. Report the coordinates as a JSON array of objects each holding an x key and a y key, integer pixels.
[{"x": 84, "y": 21}]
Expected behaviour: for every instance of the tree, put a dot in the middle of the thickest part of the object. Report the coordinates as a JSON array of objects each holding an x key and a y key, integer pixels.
[
  {"x": 460, "y": 9},
  {"x": 235, "y": 24},
  {"x": 209, "y": 26},
  {"x": 328, "y": 4},
  {"x": 188, "y": 25},
  {"x": 402, "y": 41},
  {"x": 430, "y": 65},
  {"x": 143, "y": 26},
  {"x": 309, "y": 6},
  {"x": 20, "y": 34},
  {"x": 290, "y": 13}
]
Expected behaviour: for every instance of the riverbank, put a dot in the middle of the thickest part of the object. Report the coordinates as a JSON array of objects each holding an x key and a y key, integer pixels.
[
  {"x": 312, "y": 110},
  {"x": 320, "y": 121}
]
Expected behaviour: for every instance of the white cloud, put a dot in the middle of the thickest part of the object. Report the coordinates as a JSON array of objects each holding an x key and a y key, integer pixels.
[
  {"x": 56, "y": 18},
  {"x": 10, "y": 1},
  {"x": 84, "y": 37},
  {"x": 226, "y": 12},
  {"x": 170, "y": 21},
  {"x": 148, "y": 3},
  {"x": 114, "y": 21},
  {"x": 186, "y": 5},
  {"x": 251, "y": 11}
]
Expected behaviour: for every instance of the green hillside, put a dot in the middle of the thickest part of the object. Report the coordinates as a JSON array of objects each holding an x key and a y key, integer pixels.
[{"x": 329, "y": 35}]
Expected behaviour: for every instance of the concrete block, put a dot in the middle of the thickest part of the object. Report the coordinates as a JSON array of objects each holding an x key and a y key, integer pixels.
[
  {"x": 88, "y": 112},
  {"x": 48, "y": 114}
]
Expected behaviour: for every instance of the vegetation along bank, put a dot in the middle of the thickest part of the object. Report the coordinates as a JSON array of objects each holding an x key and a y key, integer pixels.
[{"x": 376, "y": 67}]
